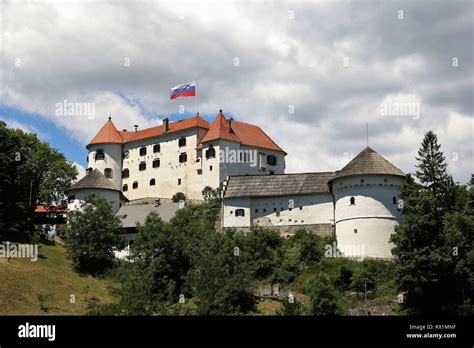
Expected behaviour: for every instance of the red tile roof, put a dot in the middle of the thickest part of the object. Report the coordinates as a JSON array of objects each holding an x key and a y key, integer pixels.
[
  {"x": 243, "y": 133},
  {"x": 221, "y": 128},
  {"x": 107, "y": 134},
  {"x": 51, "y": 209}
]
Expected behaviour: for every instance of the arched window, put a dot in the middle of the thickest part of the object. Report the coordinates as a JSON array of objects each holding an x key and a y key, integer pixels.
[
  {"x": 99, "y": 155},
  {"x": 108, "y": 173},
  {"x": 353, "y": 201},
  {"x": 125, "y": 188},
  {"x": 394, "y": 200},
  {"x": 152, "y": 182}
]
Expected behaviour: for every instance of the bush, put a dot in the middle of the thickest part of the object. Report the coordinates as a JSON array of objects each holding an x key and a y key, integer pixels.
[{"x": 179, "y": 196}]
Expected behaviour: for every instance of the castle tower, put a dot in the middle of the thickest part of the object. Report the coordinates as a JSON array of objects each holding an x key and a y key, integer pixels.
[
  {"x": 105, "y": 153},
  {"x": 366, "y": 195}
]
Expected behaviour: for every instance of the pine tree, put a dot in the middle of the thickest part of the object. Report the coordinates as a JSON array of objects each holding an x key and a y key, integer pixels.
[{"x": 432, "y": 172}]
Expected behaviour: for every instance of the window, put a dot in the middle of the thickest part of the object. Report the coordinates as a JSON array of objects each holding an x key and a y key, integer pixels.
[
  {"x": 99, "y": 155},
  {"x": 353, "y": 201},
  {"x": 156, "y": 163},
  {"x": 239, "y": 212},
  {"x": 385, "y": 180},
  {"x": 125, "y": 173},
  {"x": 71, "y": 198},
  {"x": 355, "y": 230},
  {"x": 125, "y": 188},
  {"x": 142, "y": 151},
  {"x": 135, "y": 184},
  {"x": 152, "y": 182},
  {"x": 210, "y": 168},
  {"x": 182, "y": 142},
  {"x": 264, "y": 210},
  {"x": 125, "y": 154},
  {"x": 394, "y": 200},
  {"x": 301, "y": 208},
  {"x": 108, "y": 173},
  {"x": 89, "y": 170},
  {"x": 142, "y": 166},
  {"x": 211, "y": 152},
  {"x": 271, "y": 160},
  {"x": 256, "y": 210},
  {"x": 156, "y": 148},
  {"x": 361, "y": 181},
  {"x": 272, "y": 172},
  {"x": 179, "y": 181},
  {"x": 87, "y": 158},
  {"x": 274, "y": 209},
  {"x": 183, "y": 157}
]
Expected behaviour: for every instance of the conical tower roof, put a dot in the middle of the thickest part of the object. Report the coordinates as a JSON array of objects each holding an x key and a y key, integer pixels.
[
  {"x": 369, "y": 162},
  {"x": 107, "y": 134},
  {"x": 94, "y": 179}
]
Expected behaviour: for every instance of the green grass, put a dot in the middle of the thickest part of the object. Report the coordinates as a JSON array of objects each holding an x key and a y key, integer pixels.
[{"x": 22, "y": 281}]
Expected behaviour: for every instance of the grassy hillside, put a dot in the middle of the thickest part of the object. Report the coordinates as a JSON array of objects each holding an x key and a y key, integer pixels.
[{"x": 22, "y": 281}]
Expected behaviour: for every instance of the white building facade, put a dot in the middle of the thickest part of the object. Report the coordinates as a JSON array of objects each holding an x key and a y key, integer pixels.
[{"x": 359, "y": 204}]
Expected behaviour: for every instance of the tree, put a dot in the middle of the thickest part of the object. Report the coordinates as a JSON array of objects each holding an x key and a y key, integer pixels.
[
  {"x": 32, "y": 173},
  {"x": 426, "y": 265},
  {"x": 156, "y": 277},
  {"x": 325, "y": 298},
  {"x": 432, "y": 172},
  {"x": 92, "y": 236},
  {"x": 220, "y": 279},
  {"x": 208, "y": 193},
  {"x": 178, "y": 196}
]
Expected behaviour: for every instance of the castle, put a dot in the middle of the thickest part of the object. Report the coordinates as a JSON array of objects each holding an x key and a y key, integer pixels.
[{"x": 358, "y": 203}]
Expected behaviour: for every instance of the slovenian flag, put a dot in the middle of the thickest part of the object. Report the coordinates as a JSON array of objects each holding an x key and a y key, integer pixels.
[{"x": 186, "y": 90}]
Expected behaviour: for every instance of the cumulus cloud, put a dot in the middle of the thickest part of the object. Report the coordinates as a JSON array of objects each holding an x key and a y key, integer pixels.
[{"x": 311, "y": 74}]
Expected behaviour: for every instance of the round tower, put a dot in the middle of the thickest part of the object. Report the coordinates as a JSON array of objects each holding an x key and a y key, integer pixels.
[
  {"x": 366, "y": 195},
  {"x": 105, "y": 153}
]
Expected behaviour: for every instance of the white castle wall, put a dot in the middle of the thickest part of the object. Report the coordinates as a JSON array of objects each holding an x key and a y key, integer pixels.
[
  {"x": 113, "y": 160},
  {"x": 113, "y": 197},
  {"x": 275, "y": 211},
  {"x": 372, "y": 219}
]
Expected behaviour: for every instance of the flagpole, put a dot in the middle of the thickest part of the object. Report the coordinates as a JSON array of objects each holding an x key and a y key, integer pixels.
[{"x": 195, "y": 87}]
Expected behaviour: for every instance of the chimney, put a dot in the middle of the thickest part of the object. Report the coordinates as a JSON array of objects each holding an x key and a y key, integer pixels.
[
  {"x": 230, "y": 125},
  {"x": 136, "y": 127},
  {"x": 165, "y": 124}
]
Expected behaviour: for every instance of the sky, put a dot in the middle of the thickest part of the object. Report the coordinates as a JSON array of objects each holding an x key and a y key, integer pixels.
[{"x": 311, "y": 74}]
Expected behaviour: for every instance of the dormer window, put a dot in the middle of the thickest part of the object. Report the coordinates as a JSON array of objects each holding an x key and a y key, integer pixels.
[
  {"x": 182, "y": 142},
  {"x": 142, "y": 151},
  {"x": 99, "y": 155}
]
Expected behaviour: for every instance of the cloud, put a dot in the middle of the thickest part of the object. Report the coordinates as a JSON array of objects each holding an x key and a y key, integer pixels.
[
  {"x": 81, "y": 170},
  {"x": 334, "y": 64}
]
